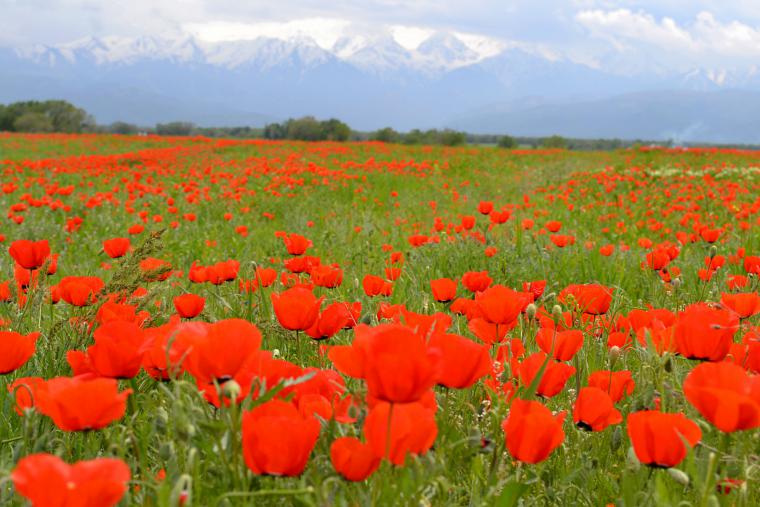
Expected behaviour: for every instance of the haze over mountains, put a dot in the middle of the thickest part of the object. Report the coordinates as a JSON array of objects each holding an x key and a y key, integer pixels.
[{"x": 448, "y": 80}]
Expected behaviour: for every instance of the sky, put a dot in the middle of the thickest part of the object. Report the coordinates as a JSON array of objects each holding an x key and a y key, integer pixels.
[{"x": 596, "y": 32}]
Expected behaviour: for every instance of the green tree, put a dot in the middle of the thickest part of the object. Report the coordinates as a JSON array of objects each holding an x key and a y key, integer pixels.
[
  {"x": 124, "y": 128},
  {"x": 386, "y": 135},
  {"x": 305, "y": 129},
  {"x": 33, "y": 122},
  {"x": 335, "y": 130},
  {"x": 175, "y": 128},
  {"x": 452, "y": 138},
  {"x": 554, "y": 142},
  {"x": 507, "y": 142}
]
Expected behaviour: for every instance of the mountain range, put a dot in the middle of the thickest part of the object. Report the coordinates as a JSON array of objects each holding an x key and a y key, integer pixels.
[{"x": 448, "y": 80}]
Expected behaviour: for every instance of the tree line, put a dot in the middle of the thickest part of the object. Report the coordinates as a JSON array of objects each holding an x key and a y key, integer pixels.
[{"x": 62, "y": 116}]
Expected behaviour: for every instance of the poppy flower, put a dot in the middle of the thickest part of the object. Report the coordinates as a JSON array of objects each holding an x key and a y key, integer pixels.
[
  {"x": 118, "y": 349},
  {"x": 47, "y": 481},
  {"x": 15, "y": 350},
  {"x": 296, "y": 244},
  {"x": 532, "y": 432},
  {"x": 24, "y": 389},
  {"x": 77, "y": 404},
  {"x": 502, "y": 305},
  {"x": 618, "y": 384},
  {"x": 353, "y": 459},
  {"x": 80, "y": 290},
  {"x": 485, "y": 207},
  {"x": 331, "y": 320},
  {"x": 725, "y": 394},
  {"x": 706, "y": 333},
  {"x": 111, "y": 311},
  {"x": 594, "y": 410},
  {"x": 562, "y": 345},
  {"x": 658, "y": 437},
  {"x": 327, "y": 276},
  {"x": 536, "y": 288},
  {"x": 154, "y": 269},
  {"x": 562, "y": 240},
  {"x": 116, "y": 247},
  {"x": 489, "y": 333},
  {"x": 412, "y": 430},
  {"x": 444, "y": 289},
  {"x": 164, "y": 350},
  {"x": 375, "y": 286},
  {"x": 589, "y": 298},
  {"x": 30, "y": 254},
  {"x": 277, "y": 439},
  {"x": 463, "y": 362},
  {"x": 476, "y": 281},
  {"x": 554, "y": 377},
  {"x": 189, "y": 306},
  {"x": 744, "y": 304},
  {"x": 296, "y": 308}
]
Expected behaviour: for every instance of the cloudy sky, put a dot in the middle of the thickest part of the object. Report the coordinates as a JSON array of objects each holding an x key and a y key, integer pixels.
[{"x": 666, "y": 32}]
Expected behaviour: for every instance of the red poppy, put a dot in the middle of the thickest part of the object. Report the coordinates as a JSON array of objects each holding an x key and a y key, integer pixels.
[
  {"x": 24, "y": 389},
  {"x": 30, "y": 254},
  {"x": 594, "y": 410},
  {"x": 164, "y": 350},
  {"x": 327, "y": 276},
  {"x": 116, "y": 247},
  {"x": 296, "y": 244},
  {"x": 353, "y": 459},
  {"x": 725, "y": 394},
  {"x": 77, "y": 404},
  {"x": 118, "y": 350},
  {"x": 618, "y": 384},
  {"x": 412, "y": 430},
  {"x": 80, "y": 290},
  {"x": 536, "y": 288},
  {"x": 744, "y": 304},
  {"x": 658, "y": 437},
  {"x": 502, "y": 305},
  {"x": 703, "y": 332},
  {"x": 562, "y": 345},
  {"x": 47, "y": 481},
  {"x": 15, "y": 350},
  {"x": 296, "y": 308},
  {"x": 463, "y": 362},
  {"x": 189, "y": 306},
  {"x": 532, "y": 432},
  {"x": 562, "y": 240},
  {"x": 589, "y": 298},
  {"x": 489, "y": 333},
  {"x": 375, "y": 286},
  {"x": 331, "y": 320},
  {"x": 155, "y": 270},
  {"x": 553, "y": 225},
  {"x": 277, "y": 439},
  {"x": 444, "y": 289},
  {"x": 111, "y": 311},
  {"x": 485, "y": 207},
  {"x": 553, "y": 379},
  {"x": 476, "y": 281}
]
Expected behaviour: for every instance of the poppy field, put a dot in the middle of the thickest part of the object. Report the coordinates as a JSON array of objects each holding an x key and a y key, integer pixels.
[{"x": 195, "y": 321}]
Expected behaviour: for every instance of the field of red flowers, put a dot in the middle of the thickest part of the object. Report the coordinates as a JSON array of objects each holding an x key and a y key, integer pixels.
[{"x": 209, "y": 322}]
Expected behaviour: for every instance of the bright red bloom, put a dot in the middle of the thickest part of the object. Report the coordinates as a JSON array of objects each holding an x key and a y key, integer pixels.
[
  {"x": 353, "y": 459},
  {"x": 327, "y": 276},
  {"x": 332, "y": 319},
  {"x": 277, "y": 439},
  {"x": 618, "y": 384},
  {"x": 554, "y": 377},
  {"x": 15, "y": 350},
  {"x": 532, "y": 432},
  {"x": 118, "y": 350},
  {"x": 189, "y": 306},
  {"x": 297, "y": 308},
  {"x": 744, "y": 304},
  {"x": 502, "y": 305},
  {"x": 658, "y": 437},
  {"x": 24, "y": 389},
  {"x": 444, "y": 289},
  {"x": 485, "y": 207},
  {"x": 296, "y": 244},
  {"x": 476, "y": 281},
  {"x": 116, "y": 247},
  {"x": 463, "y": 362},
  {"x": 703, "y": 332},
  {"x": 562, "y": 345},
  {"x": 594, "y": 410},
  {"x": 590, "y": 298},
  {"x": 80, "y": 290},
  {"x": 77, "y": 404},
  {"x": 725, "y": 394},
  {"x": 47, "y": 481},
  {"x": 30, "y": 254},
  {"x": 412, "y": 430},
  {"x": 375, "y": 286},
  {"x": 536, "y": 288}
]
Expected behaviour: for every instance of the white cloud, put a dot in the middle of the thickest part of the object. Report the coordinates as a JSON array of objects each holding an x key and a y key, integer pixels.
[{"x": 324, "y": 31}]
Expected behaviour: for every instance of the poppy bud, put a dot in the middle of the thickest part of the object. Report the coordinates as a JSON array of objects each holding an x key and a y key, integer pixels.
[
  {"x": 617, "y": 439},
  {"x": 679, "y": 476},
  {"x": 557, "y": 313},
  {"x": 530, "y": 311},
  {"x": 668, "y": 366},
  {"x": 166, "y": 451},
  {"x": 231, "y": 390},
  {"x": 713, "y": 251},
  {"x": 614, "y": 353}
]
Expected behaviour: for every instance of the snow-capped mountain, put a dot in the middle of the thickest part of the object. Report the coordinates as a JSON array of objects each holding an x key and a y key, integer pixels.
[{"x": 370, "y": 80}]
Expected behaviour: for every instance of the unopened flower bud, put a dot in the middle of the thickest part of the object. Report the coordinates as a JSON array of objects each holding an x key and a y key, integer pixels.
[
  {"x": 530, "y": 311},
  {"x": 614, "y": 353},
  {"x": 231, "y": 390},
  {"x": 713, "y": 251},
  {"x": 557, "y": 313},
  {"x": 679, "y": 476}
]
